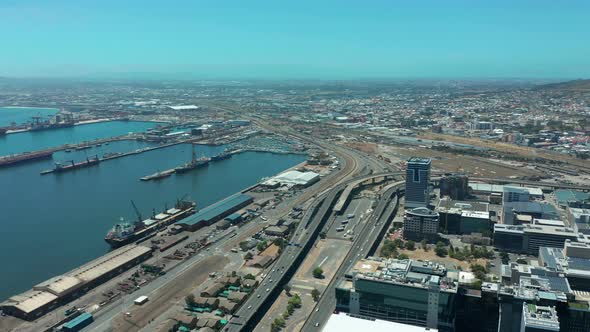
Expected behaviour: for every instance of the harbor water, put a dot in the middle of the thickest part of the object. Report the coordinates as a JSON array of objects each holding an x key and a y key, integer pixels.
[
  {"x": 20, "y": 115},
  {"x": 38, "y": 140},
  {"x": 53, "y": 223}
]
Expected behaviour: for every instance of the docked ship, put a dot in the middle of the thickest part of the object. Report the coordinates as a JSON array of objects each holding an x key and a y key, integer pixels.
[
  {"x": 24, "y": 157},
  {"x": 71, "y": 165},
  {"x": 61, "y": 120},
  {"x": 224, "y": 155},
  {"x": 157, "y": 175},
  {"x": 124, "y": 233},
  {"x": 47, "y": 125},
  {"x": 193, "y": 164}
]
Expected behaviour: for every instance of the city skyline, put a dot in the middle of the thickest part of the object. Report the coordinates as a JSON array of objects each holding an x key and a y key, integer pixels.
[{"x": 331, "y": 40}]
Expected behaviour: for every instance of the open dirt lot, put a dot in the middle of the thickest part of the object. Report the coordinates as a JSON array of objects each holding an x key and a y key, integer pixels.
[
  {"x": 168, "y": 295},
  {"x": 447, "y": 261}
]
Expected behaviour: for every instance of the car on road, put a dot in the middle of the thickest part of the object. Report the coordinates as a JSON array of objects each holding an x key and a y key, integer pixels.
[{"x": 268, "y": 289}]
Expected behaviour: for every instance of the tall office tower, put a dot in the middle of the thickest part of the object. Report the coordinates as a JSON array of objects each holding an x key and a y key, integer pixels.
[
  {"x": 417, "y": 181},
  {"x": 538, "y": 319}
]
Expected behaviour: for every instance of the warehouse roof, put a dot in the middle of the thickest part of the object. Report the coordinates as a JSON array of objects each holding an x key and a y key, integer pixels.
[
  {"x": 109, "y": 262},
  {"x": 59, "y": 285},
  {"x": 294, "y": 178},
  {"x": 215, "y": 210},
  {"x": 31, "y": 300}
]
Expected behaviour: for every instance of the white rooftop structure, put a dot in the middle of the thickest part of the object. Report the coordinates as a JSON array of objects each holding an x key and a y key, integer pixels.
[
  {"x": 29, "y": 301},
  {"x": 342, "y": 322},
  {"x": 292, "y": 178},
  {"x": 184, "y": 107}
]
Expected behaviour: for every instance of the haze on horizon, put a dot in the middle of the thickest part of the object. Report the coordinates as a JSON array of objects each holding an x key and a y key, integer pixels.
[{"x": 300, "y": 39}]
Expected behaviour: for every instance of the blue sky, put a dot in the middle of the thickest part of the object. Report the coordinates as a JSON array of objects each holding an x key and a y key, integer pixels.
[{"x": 297, "y": 39}]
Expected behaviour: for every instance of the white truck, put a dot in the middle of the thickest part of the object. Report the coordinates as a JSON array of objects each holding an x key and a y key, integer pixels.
[{"x": 141, "y": 300}]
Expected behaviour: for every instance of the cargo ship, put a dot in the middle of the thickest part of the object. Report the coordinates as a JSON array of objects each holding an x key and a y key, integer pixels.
[
  {"x": 158, "y": 175},
  {"x": 193, "y": 164},
  {"x": 48, "y": 126},
  {"x": 224, "y": 155},
  {"x": 71, "y": 165},
  {"x": 24, "y": 157},
  {"x": 124, "y": 233}
]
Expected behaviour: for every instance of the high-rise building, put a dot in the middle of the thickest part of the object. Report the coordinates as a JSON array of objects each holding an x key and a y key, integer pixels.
[
  {"x": 404, "y": 291},
  {"x": 456, "y": 186},
  {"x": 417, "y": 182},
  {"x": 421, "y": 223},
  {"x": 536, "y": 318}
]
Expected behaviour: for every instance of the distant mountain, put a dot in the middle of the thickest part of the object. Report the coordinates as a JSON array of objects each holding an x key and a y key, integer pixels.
[{"x": 575, "y": 85}]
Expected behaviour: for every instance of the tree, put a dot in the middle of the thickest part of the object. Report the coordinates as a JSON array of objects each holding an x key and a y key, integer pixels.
[
  {"x": 249, "y": 276},
  {"x": 403, "y": 256},
  {"x": 476, "y": 284},
  {"x": 244, "y": 245},
  {"x": 190, "y": 300},
  {"x": 504, "y": 257},
  {"x": 295, "y": 301},
  {"x": 287, "y": 289},
  {"x": 318, "y": 273},
  {"x": 248, "y": 256},
  {"x": 479, "y": 271},
  {"x": 410, "y": 245},
  {"x": 279, "y": 242},
  {"x": 261, "y": 245},
  {"x": 315, "y": 294},
  {"x": 441, "y": 251},
  {"x": 322, "y": 235},
  {"x": 521, "y": 261},
  {"x": 424, "y": 245}
]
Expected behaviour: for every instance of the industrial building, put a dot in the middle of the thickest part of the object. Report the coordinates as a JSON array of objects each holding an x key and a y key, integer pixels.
[
  {"x": 62, "y": 289},
  {"x": 292, "y": 179},
  {"x": 215, "y": 212},
  {"x": 417, "y": 182},
  {"x": 421, "y": 223},
  {"x": 402, "y": 291}
]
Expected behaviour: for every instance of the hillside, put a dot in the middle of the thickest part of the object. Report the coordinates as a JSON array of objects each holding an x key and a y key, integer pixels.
[{"x": 575, "y": 85}]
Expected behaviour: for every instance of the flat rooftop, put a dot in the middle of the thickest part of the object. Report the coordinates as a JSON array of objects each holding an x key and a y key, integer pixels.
[
  {"x": 342, "y": 322},
  {"x": 566, "y": 195},
  {"x": 540, "y": 317},
  {"x": 419, "y": 160},
  {"x": 109, "y": 262},
  {"x": 216, "y": 209},
  {"x": 31, "y": 300},
  {"x": 59, "y": 285},
  {"x": 406, "y": 271}
]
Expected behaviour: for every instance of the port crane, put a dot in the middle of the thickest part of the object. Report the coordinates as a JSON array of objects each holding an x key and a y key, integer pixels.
[{"x": 139, "y": 217}]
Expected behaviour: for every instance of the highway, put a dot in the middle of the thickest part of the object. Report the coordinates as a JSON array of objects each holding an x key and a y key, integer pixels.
[
  {"x": 246, "y": 317},
  {"x": 361, "y": 248}
]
